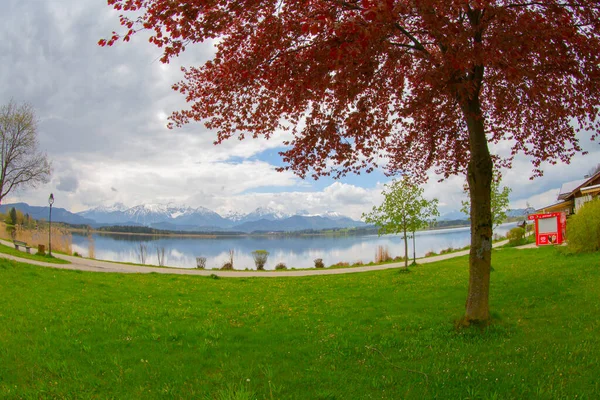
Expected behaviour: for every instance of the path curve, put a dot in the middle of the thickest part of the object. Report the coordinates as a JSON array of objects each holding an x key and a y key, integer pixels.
[{"x": 86, "y": 264}]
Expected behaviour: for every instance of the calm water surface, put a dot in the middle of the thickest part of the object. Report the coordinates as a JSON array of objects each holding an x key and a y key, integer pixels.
[{"x": 295, "y": 252}]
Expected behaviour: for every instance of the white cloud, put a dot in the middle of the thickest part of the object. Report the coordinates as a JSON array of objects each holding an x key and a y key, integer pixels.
[
  {"x": 102, "y": 121},
  {"x": 538, "y": 200}
]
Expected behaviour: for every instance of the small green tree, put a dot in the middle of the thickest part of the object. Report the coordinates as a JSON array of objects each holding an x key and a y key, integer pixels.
[
  {"x": 13, "y": 216},
  {"x": 403, "y": 210},
  {"x": 499, "y": 201}
]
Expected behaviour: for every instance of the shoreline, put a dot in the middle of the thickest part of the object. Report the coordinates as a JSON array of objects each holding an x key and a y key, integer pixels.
[{"x": 239, "y": 235}]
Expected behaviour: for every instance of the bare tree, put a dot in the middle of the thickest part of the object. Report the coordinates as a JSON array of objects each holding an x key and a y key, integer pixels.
[
  {"x": 593, "y": 171},
  {"x": 21, "y": 162},
  {"x": 160, "y": 254},
  {"x": 142, "y": 252}
]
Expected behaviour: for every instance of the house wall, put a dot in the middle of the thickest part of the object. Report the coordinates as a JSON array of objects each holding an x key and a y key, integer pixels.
[{"x": 580, "y": 201}]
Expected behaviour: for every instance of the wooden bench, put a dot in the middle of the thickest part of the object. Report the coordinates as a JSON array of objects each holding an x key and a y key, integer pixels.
[{"x": 23, "y": 244}]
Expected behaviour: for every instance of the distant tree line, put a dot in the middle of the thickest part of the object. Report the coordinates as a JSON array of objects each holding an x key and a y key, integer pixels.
[
  {"x": 15, "y": 217},
  {"x": 153, "y": 231},
  {"x": 356, "y": 231},
  {"x": 130, "y": 229}
]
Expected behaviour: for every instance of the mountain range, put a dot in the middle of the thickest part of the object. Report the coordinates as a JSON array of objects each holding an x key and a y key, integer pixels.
[
  {"x": 182, "y": 218},
  {"x": 510, "y": 213}
]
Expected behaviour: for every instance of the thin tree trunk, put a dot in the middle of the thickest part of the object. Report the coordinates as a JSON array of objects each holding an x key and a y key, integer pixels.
[
  {"x": 479, "y": 176},
  {"x": 414, "y": 249},
  {"x": 405, "y": 247}
]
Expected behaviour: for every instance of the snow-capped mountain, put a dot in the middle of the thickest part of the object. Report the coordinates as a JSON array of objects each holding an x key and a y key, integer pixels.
[
  {"x": 182, "y": 218},
  {"x": 173, "y": 217},
  {"x": 264, "y": 213},
  {"x": 106, "y": 214},
  {"x": 201, "y": 216},
  {"x": 234, "y": 216},
  {"x": 148, "y": 214},
  {"x": 151, "y": 214},
  {"x": 113, "y": 208},
  {"x": 334, "y": 215}
]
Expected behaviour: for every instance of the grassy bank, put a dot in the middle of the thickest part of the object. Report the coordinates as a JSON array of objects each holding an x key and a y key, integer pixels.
[
  {"x": 69, "y": 334},
  {"x": 46, "y": 258}
]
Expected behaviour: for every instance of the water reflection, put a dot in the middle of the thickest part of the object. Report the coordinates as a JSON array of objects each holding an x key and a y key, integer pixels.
[{"x": 295, "y": 252}]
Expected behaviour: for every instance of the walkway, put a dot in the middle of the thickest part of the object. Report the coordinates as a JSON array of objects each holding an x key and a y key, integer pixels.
[{"x": 86, "y": 264}]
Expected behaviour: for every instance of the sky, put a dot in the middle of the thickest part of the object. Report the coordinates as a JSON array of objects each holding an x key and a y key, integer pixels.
[{"x": 102, "y": 122}]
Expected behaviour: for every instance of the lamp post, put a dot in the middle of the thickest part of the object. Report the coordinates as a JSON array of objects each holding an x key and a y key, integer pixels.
[
  {"x": 50, "y": 201},
  {"x": 414, "y": 250}
]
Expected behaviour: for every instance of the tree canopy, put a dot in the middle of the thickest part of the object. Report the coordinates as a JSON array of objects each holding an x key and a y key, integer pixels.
[
  {"x": 404, "y": 209},
  {"x": 21, "y": 163},
  {"x": 404, "y": 85},
  {"x": 353, "y": 79}
]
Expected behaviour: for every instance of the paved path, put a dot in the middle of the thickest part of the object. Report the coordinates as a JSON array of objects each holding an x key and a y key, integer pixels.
[{"x": 86, "y": 264}]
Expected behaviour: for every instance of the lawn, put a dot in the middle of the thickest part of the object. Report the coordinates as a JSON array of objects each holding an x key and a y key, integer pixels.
[
  {"x": 386, "y": 334},
  {"x": 18, "y": 253}
]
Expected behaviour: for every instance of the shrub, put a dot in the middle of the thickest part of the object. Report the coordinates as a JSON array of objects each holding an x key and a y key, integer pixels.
[
  {"x": 515, "y": 236},
  {"x": 76, "y": 254},
  {"x": 399, "y": 258},
  {"x": 446, "y": 251},
  {"x": 358, "y": 264},
  {"x": 229, "y": 263},
  {"x": 583, "y": 228},
  {"x": 341, "y": 264},
  {"x": 319, "y": 263},
  {"x": 280, "y": 266},
  {"x": 227, "y": 266},
  {"x": 200, "y": 262},
  {"x": 260, "y": 258},
  {"x": 497, "y": 237},
  {"x": 430, "y": 254}
]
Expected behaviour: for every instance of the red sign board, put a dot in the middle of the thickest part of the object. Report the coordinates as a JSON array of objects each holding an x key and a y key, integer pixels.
[{"x": 549, "y": 228}]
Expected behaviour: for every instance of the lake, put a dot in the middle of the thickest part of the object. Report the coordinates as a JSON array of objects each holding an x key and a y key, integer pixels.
[{"x": 295, "y": 252}]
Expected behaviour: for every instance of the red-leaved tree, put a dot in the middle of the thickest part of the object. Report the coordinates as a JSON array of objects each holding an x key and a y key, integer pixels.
[{"x": 419, "y": 84}]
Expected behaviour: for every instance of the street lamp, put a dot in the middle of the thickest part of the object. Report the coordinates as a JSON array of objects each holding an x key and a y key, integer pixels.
[
  {"x": 50, "y": 201},
  {"x": 414, "y": 248}
]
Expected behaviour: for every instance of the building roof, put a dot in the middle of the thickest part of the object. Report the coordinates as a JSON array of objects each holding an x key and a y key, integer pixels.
[
  {"x": 557, "y": 207},
  {"x": 569, "y": 189},
  {"x": 590, "y": 189}
]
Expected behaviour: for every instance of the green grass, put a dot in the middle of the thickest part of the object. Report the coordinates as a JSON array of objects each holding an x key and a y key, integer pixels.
[
  {"x": 526, "y": 240},
  {"x": 391, "y": 335},
  {"x": 17, "y": 253}
]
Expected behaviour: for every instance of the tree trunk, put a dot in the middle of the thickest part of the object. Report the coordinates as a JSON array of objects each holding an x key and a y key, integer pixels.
[
  {"x": 479, "y": 176},
  {"x": 414, "y": 249},
  {"x": 405, "y": 247}
]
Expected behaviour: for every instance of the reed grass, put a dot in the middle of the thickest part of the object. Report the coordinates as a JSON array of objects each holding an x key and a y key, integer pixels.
[
  {"x": 382, "y": 254},
  {"x": 62, "y": 240},
  {"x": 91, "y": 246}
]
